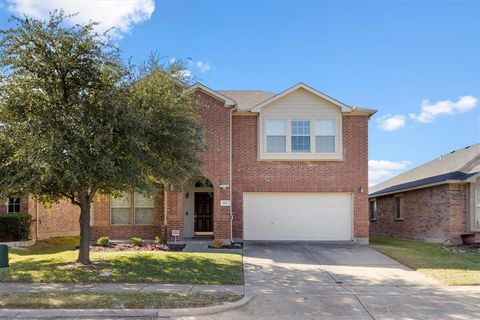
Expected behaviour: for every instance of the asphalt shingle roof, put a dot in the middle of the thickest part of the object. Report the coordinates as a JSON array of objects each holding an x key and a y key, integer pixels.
[{"x": 456, "y": 165}]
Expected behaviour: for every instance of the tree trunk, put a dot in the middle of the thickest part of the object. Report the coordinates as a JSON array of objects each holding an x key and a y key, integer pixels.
[{"x": 84, "y": 252}]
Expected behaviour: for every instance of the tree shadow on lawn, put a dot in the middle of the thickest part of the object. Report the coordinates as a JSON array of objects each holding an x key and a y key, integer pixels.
[{"x": 129, "y": 268}]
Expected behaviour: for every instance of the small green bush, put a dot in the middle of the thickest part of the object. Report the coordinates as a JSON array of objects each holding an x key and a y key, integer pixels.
[
  {"x": 103, "y": 241},
  {"x": 15, "y": 226},
  {"x": 137, "y": 241},
  {"x": 160, "y": 240}
]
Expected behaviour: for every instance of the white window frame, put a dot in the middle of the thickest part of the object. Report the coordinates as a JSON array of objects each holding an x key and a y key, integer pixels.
[
  {"x": 135, "y": 212},
  {"x": 265, "y": 139},
  {"x": 130, "y": 211},
  {"x": 19, "y": 204},
  {"x": 132, "y": 208},
  {"x": 312, "y": 154},
  {"x": 312, "y": 138}
]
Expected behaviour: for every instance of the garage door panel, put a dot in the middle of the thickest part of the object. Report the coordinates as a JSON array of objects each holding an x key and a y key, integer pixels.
[{"x": 297, "y": 216}]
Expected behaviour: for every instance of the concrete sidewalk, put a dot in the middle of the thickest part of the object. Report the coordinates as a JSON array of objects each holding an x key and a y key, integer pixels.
[{"x": 120, "y": 288}]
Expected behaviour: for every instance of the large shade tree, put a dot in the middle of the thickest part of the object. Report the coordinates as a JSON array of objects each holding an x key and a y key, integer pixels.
[{"x": 75, "y": 121}]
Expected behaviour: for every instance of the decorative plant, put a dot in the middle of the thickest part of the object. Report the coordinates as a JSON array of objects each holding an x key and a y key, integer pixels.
[
  {"x": 103, "y": 241},
  {"x": 137, "y": 241},
  {"x": 218, "y": 243},
  {"x": 160, "y": 239}
]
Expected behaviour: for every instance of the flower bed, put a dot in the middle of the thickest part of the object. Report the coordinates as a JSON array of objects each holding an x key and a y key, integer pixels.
[{"x": 115, "y": 247}]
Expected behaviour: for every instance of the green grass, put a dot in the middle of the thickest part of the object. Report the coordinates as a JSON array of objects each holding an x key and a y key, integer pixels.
[
  {"x": 52, "y": 261},
  {"x": 451, "y": 268},
  {"x": 71, "y": 300}
]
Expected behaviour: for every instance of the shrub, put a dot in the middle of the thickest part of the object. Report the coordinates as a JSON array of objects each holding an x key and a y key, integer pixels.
[
  {"x": 160, "y": 239},
  {"x": 137, "y": 241},
  {"x": 218, "y": 243},
  {"x": 15, "y": 226},
  {"x": 103, "y": 241}
]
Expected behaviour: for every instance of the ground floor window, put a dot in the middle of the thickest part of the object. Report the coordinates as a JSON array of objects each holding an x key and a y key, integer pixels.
[
  {"x": 13, "y": 205},
  {"x": 399, "y": 208},
  {"x": 373, "y": 210},
  {"x": 132, "y": 208}
]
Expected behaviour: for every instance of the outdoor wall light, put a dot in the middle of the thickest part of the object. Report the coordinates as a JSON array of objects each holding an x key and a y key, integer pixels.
[{"x": 187, "y": 195}]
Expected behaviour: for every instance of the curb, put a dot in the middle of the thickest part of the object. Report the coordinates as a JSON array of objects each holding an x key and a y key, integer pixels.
[{"x": 107, "y": 313}]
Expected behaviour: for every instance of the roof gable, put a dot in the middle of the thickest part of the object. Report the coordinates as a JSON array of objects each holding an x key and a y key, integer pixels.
[{"x": 342, "y": 106}]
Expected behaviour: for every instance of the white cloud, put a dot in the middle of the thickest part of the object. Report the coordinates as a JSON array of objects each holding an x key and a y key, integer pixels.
[
  {"x": 391, "y": 123},
  {"x": 429, "y": 111},
  {"x": 120, "y": 14},
  {"x": 203, "y": 66},
  {"x": 381, "y": 170}
]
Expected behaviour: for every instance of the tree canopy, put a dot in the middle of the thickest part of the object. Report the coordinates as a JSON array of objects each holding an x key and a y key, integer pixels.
[{"x": 75, "y": 120}]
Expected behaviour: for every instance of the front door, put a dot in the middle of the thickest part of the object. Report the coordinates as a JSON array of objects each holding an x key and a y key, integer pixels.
[{"x": 203, "y": 212}]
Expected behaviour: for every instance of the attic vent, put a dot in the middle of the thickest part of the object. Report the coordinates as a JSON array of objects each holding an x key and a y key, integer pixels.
[
  {"x": 452, "y": 151},
  {"x": 467, "y": 147}
]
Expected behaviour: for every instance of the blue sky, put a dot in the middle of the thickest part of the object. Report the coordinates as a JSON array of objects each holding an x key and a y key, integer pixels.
[{"x": 387, "y": 55}]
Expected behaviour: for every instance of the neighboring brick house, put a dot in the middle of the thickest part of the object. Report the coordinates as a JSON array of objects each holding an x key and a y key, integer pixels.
[
  {"x": 287, "y": 166},
  {"x": 58, "y": 220},
  {"x": 436, "y": 201}
]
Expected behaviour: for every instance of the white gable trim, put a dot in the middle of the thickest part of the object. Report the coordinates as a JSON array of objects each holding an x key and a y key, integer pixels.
[
  {"x": 301, "y": 85},
  {"x": 198, "y": 86}
]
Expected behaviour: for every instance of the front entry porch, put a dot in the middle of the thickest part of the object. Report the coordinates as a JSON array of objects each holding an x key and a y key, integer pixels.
[{"x": 198, "y": 205}]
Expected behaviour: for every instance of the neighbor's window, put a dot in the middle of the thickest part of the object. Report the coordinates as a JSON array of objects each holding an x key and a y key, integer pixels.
[
  {"x": 300, "y": 135},
  {"x": 399, "y": 208},
  {"x": 276, "y": 132},
  {"x": 13, "y": 205},
  {"x": 373, "y": 210},
  {"x": 121, "y": 209},
  {"x": 477, "y": 203},
  {"x": 144, "y": 209},
  {"x": 325, "y": 135}
]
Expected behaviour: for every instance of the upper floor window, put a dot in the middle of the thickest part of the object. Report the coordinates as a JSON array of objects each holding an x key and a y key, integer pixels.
[
  {"x": 132, "y": 207},
  {"x": 13, "y": 205},
  {"x": 316, "y": 136},
  {"x": 325, "y": 135},
  {"x": 300, "y": 135},
  {"x": 276, "y": 132}
]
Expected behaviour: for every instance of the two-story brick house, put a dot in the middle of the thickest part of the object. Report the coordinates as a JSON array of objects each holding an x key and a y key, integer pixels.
[{"x": 286, "y": 166}]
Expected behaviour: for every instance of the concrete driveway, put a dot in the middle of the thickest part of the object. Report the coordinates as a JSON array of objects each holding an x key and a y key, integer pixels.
[{"x": 342, "y": 281}]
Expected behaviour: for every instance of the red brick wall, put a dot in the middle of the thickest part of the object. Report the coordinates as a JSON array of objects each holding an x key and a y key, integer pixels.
[
  {"x": 435, "y": 214},
  {"x": 102, "y": 227},
  {"x": 216, "y": 158},
  {"x": 55, "y": 220},
  {"x": 251, "y": 175}
]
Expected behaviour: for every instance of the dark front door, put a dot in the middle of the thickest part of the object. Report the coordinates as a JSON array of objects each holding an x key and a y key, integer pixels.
[{"x": 203, "y": 212}]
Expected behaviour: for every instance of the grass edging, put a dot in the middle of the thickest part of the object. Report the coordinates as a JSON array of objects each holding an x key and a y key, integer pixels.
[{"x": 86, "y": 313}]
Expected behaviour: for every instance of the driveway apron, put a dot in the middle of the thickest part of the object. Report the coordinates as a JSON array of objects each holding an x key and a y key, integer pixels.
[{"x": 308, "y": 280}]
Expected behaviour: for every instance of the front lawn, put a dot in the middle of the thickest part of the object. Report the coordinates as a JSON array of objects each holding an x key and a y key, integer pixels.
[
  {"x": 451, "y": 268},
  {"x": 51, "y": 261},
  {"x": 75, "y": 300}
]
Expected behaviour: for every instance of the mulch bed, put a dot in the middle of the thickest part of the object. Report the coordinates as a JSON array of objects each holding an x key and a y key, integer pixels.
[
  {"x": 115, "y": 247},
  {"x": 459, "y": 248},
  {"x": 232, "y": 246}
]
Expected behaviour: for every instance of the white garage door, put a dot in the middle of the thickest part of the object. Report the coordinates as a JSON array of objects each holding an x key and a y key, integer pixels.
[{"x": 297, "y": 216}]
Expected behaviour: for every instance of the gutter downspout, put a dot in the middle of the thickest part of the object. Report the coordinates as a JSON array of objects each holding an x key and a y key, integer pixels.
[
  {"x": 36, "y": 220},
  {"x": 231, "y": 185},
  {"x": 165, "y": 205}
]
